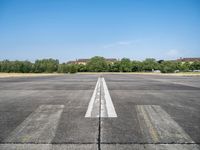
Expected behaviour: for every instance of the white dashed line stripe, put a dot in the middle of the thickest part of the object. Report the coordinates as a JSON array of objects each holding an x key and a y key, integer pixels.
[
  {"x": 39, "y": 127},
  {"x": 107, "y": 107},
  {"x": 158, "y": 127}
]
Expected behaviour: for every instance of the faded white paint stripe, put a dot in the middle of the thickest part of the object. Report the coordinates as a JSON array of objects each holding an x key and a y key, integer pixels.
[
  {"x": 39, "y": 127},
  {"x": 25, "y": 146},
  {"x": 161, "y": 127},
  {"x": 103, "y": 146},
  {"x": 109, "y": 104},
  {"x": 150, "y": 146},
  {"x": 48, "y": 146},
  {"x": 91, "y": 103}
]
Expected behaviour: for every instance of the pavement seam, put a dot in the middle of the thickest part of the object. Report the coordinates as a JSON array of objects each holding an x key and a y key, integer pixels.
[
  {"x": 77, "y": 143},
  {"x": 99, "y": 134}
]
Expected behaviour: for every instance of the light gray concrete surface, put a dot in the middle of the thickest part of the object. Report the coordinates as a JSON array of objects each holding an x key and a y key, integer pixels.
[
  {"x": 48, "y": 147},
  {"x": 178, "y": 98}
]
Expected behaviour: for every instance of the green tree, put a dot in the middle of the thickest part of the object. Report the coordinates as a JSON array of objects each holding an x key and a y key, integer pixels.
[
  {"x": 185, "y": 67},
  {"x": 5, "y": 65},
  {"x": 168, "y": 67},
  {"x": 27, "y": 67},
  {"x": 150, "y": 64},
  {"x": 16, "y": 66},
  {"x": 114, "y": 67},
  {"x": 81, "y": 68},
  {"x": 46, "y": 65},
  {"x": 72, "y": 68},
  {"x": 136, "y": 66},
  {"x": 63, "y": 68},
  {"x": 97, "y": 64},
  {"x": 195, "y": 65},
  {"x": 125, "y": 65}
]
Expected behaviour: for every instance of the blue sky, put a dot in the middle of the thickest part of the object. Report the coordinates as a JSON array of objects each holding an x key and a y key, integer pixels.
[{"x": 70, "y": 29}]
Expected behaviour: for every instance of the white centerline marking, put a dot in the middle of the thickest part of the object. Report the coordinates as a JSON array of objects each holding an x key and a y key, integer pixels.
[
  {"x": 107, "y": 107},
  {"x": 39, "y": 127}
]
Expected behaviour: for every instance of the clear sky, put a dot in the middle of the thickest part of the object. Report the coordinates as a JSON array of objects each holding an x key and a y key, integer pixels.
[{"x": 70, "y": 29}]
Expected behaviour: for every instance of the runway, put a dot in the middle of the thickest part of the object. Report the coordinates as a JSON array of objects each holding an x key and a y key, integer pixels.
[{"x": 100, "y": 112}]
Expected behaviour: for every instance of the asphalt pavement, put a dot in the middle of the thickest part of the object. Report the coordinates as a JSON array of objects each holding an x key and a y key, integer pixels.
[{"x": 100, "y": 112}]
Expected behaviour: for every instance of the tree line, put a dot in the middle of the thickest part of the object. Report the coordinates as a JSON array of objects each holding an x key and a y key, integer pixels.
[{"x": 97, "y": 64}]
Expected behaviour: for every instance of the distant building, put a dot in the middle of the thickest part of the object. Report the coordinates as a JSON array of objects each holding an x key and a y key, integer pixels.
[
  {"x": 85, "y": 61},
  {"x": 79, "y": 61},
  {"x": 190, "y": 60},
  {"x": 71, "y": 62},
  {"x": 82, "y": 61},
  {"x": 111, "y": 60}
]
